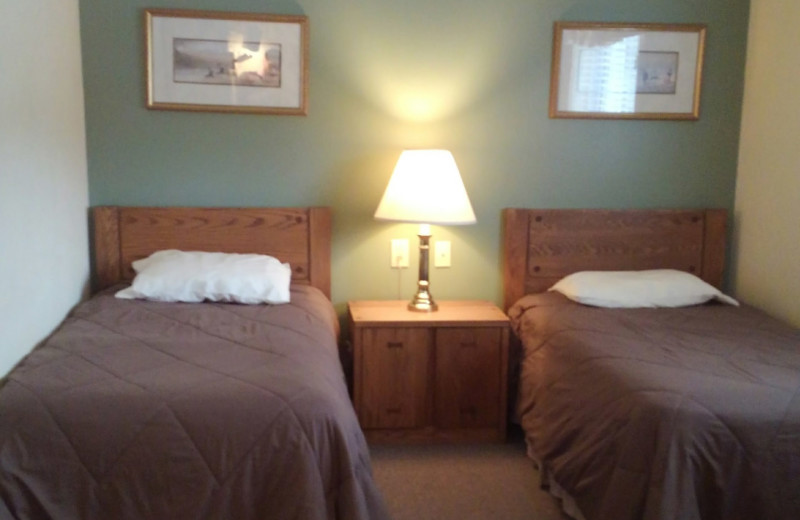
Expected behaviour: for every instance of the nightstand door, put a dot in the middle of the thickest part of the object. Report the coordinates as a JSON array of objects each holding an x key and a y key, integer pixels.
[
  {"x": 395, "y": 377},
  {"x": 468, "y": 377}
]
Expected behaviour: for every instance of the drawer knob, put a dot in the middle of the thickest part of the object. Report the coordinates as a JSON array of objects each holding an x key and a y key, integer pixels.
[{"x": 394, "y": 344}]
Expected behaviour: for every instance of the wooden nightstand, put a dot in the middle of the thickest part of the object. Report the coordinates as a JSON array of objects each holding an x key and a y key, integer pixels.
[{"x": 439, "y": 376}]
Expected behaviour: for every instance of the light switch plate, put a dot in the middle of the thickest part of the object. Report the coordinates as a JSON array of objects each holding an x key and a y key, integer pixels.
[
  {"x": 399, "y": 258},
  {"x": 441, "y": 254}
]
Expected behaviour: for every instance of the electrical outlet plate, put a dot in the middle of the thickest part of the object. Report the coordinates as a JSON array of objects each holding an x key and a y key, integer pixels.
[
  {"x": 399, "y": 258},
  {"x": 441, "y": 253}
]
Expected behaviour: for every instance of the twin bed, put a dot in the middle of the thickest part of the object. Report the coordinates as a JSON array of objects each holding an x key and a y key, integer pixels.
[
  {"x": 141, "y": 409},
  {"x": 650, "y": 413}
]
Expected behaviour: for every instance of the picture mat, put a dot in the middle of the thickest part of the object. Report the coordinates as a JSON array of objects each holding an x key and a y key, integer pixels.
[
  {"x": 686, "y": 44},
  {"x": 165, "y": 90}
]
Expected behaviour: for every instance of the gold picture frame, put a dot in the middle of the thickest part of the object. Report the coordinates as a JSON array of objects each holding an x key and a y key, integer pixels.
[
  {"x": 626, "y": 70},
  {"x": 212, "y": 61}
]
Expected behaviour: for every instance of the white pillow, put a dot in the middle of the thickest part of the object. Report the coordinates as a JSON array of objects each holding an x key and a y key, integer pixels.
[
  {"x": 631, "y": 289},
  {"x": 180, "y": 276}
]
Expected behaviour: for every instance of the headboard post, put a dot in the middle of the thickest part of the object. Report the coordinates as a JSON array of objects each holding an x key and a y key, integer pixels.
[
  {"x": 714, "y": 238},
  {"x": 319, "y": 247},
  {"x": 105, "y": 247},
  {"x": 515, "y": 254}
]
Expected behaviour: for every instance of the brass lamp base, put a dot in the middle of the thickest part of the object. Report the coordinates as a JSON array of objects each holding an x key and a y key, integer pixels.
[{"x": 423, "y": 301}]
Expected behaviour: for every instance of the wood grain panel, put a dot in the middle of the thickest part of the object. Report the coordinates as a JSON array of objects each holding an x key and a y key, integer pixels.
[
  {"x": 395, "y": 377},
  {"x": 468, "y": 372},
  {"x": 300, "y": 236},
  {"x": 561, "y": 242}
]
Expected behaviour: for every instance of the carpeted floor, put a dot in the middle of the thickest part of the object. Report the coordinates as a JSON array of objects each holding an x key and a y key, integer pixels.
[{"x": 461, "y": 482}]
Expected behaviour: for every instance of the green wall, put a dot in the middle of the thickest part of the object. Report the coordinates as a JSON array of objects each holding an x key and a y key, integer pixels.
[{"x": 471, "y": 76}]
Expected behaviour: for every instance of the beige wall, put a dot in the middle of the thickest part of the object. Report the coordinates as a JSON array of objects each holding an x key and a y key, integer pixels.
[
  {"x": 767, "y": 246},
  {"x": 43, "y": 183}
]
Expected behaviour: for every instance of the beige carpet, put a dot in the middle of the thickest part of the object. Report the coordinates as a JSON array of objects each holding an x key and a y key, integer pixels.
[{"x": 461, "y": 482}]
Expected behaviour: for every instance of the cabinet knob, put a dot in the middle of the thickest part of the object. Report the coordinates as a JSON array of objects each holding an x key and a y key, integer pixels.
[{"x": 394, "y": 344}]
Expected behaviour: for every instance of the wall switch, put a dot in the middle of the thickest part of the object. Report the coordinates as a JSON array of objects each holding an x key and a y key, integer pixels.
[
  {"x": 399, "y": 253},
  {"x": 441, "y": 254}
]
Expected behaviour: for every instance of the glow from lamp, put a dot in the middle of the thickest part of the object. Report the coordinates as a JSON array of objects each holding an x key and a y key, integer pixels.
[{"x": 425, "y": 188}]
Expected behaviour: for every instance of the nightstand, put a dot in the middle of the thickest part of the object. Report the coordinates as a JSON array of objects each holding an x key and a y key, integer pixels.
[{"x": 438, "y": 376}]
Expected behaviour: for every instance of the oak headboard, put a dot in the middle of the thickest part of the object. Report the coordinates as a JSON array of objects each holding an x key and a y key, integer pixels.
[
  {"x": 300, "y": 236},
  {"x": 542, "y": 246}
]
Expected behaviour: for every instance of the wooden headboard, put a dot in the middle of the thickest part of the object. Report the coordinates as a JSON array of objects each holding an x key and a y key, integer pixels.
[
  {"x": 542, "y": 246},
  {"x": 300, "y": 236}
]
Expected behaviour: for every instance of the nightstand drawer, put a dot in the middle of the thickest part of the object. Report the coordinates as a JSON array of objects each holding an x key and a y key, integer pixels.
[
  {"x": 468, "y": 376},
  {"x": 395, "y": 377}
]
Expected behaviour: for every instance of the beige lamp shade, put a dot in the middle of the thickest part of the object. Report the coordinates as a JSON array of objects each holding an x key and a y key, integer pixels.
[{"x": 426, "y": 188}]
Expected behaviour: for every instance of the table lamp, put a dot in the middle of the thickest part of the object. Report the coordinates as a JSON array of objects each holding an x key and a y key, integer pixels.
[{"x": 425, "y": 188}]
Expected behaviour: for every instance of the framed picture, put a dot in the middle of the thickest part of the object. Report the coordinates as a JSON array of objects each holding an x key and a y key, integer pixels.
[
  {"x": 226, "y": 62},
  {"x": 626, "y": 71}
]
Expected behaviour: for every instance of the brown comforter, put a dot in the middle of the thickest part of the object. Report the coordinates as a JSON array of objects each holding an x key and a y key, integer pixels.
[
  {"x": 662, "y": 413},
  {"x": 141, "y": 410}
]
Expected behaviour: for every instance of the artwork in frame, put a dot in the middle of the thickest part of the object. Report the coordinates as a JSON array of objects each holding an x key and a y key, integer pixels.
[
  {"x": 626, "y": 71},
  {"x": 226, "y": 62}
]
